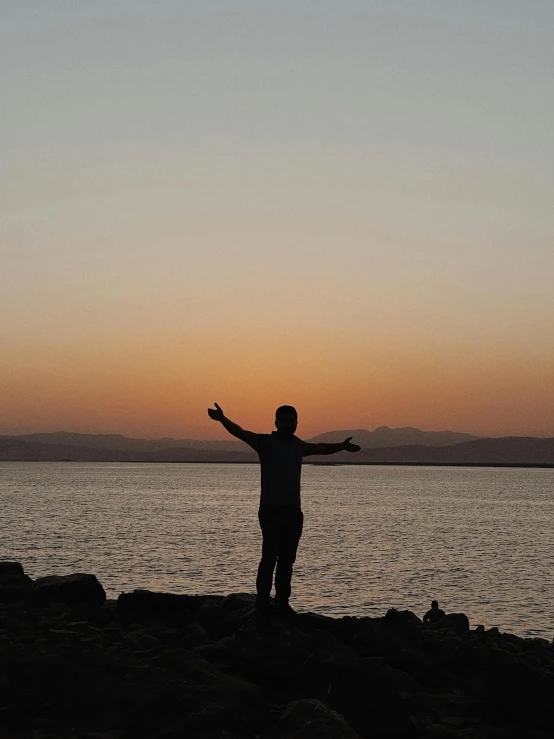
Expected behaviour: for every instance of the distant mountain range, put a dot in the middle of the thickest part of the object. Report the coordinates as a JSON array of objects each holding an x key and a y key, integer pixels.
[
  {"x": 381, "y": 446},
  {"x": 16, "y": 449},
  {"x": 387, "y": 437},
  {"x": 125, "y": 443},
  {"x": 509, "y": 450}
]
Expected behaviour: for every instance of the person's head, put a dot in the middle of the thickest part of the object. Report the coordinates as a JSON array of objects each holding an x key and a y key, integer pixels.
[
  {"x": 286, "y": 419},
  {"x": 434, "y": 604}
]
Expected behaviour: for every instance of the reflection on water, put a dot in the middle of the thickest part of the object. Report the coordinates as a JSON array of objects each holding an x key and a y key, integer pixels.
[{"x": 478, "y": 540}]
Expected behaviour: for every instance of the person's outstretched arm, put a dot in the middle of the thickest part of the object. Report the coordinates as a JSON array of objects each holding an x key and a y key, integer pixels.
[
  {"x": 248, "y": 436},
  {"x": 322, "y": 448}
]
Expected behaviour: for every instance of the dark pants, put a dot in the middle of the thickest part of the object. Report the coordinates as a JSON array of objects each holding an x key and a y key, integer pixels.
[{"x": 281, "y": 531}]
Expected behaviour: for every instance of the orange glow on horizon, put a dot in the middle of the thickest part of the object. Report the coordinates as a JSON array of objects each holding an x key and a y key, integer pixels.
[{"x": 155, "y": 387}]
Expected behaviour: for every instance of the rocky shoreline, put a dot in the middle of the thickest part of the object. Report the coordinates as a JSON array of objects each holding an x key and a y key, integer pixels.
[{"x": 156, "y": 665}]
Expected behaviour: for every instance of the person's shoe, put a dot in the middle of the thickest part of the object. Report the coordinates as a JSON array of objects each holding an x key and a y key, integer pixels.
[{"x": 285, "y": 611}]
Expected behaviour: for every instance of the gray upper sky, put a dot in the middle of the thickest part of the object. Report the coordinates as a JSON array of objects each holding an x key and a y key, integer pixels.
[{"x": 435, "y": 119}]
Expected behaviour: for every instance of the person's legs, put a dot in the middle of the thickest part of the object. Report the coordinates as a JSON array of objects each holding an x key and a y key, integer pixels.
[
  {"x": 291, "y": 531},
  {"x": 270, "y": 525}
]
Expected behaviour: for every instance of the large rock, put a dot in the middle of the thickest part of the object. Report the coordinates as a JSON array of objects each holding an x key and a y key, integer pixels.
[
  {"x": 237, "y": 601},
  {"x": 146, "y": 605},
  {"x": 474, "y": 656},
  {"x": 232, "y": 694},
  {"x": 318, "y": 678},
  {"x": 304, "y": 719},
  {"x": 313, "y": 679},
  {"x": 400, "y": 619},
  {"x": 458, "y": 622},
  {"x": 78, "y": 589},
  {"x": 15, "y": 585},
  {"x": 403, "y": 622},
  {"x": 370, "y": 700},
  {"x": 273, "y": 653},
  {"x": 518, "y": 694},
  {"x": 8, "y": 568},
  {"x": 195, "y": 636},
  {"x": 402, "y": 655},
  {"x": 210, "y": 720},
  {"x": 216, "y": 654},
  {"x": 207, "y": 609}
]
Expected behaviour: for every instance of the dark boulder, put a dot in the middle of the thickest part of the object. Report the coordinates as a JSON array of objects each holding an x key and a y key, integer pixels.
[
  {"x": 313, "y": 679},
  {"x": 399, "y": 619},
  {"x": 237, "y": 601},
  {"x": 233, "y": 694},
  {"x": 106, "y": 614},
  {"x": 318, "y": 678},
  {"x": 421, "y": 666},
  {"x": 520, "y": 695},
  {"x": 217, "y": 654},
  {"x": 78, "y": 589},
  {"x": 458, "y": 622},
  {"x": 443, "y": 648},
  {"x": 311, "y": 718},
  {"x": 11, "y": 569},
  {"x": 210, "y": 720},
  {"x": 475, "y": 656},
  {"x": 404, "y": 624},
  {"x": 15, "y": 585},
  {"x": 370, "y": 700},
  {"x": 221, "y": 617},
  {"x": 275, "y": 652},
  {"x": 195, "y": 636},
  {"x": 147, "y": 645},
  {"x": 146, "y": 605}
]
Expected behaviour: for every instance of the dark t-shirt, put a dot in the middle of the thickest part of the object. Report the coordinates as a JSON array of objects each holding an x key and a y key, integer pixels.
[{"x": 281, "y": 467}]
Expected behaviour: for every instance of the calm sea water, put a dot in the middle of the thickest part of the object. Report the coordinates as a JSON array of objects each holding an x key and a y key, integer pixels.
[{"x": 478, "y": 540}]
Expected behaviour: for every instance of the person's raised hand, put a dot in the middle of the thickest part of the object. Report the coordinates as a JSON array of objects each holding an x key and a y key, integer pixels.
[
  {"x": 348, "y": 447},
  {"x": 216, "y": 413}
]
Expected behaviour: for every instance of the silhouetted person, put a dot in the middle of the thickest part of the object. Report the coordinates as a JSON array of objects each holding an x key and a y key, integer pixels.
[
  {"x": 280, "y": 512},
  {"x": 434, "y": 614}
]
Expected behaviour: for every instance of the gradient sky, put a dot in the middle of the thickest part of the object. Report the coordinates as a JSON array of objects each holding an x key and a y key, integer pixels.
[{"x": 347, "y": 206}]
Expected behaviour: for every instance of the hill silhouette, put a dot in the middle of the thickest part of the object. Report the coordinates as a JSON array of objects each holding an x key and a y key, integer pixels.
[
  {"x": 380, "y": 437},
  {"x": 516, "y": 450},
  {"x": 126, "y": 443},
  {"x": 510, "y": 450},
  {"x": 384, "y": 436},
  {"x": 18, "y": 450}
]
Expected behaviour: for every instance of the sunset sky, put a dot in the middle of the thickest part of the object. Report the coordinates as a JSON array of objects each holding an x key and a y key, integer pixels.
[{"x": 347, "y": 206}]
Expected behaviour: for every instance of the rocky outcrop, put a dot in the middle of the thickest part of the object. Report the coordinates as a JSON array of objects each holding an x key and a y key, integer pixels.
[
  {"x": 15, "y": 585},
  {"x": 311, "y": 717},
  {"x": 164, "y": 666},
  {"x": 79, "y": 589},
  {"x": 456, "y": 621}
]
